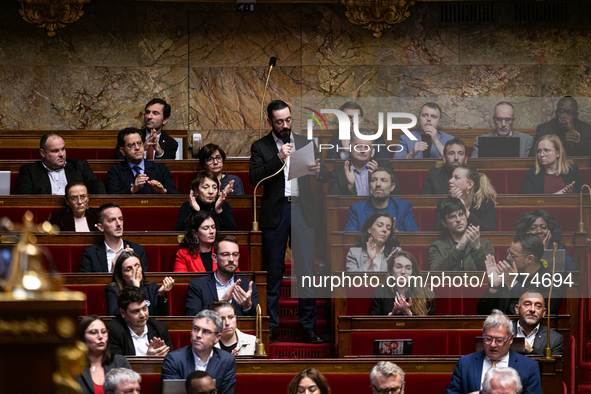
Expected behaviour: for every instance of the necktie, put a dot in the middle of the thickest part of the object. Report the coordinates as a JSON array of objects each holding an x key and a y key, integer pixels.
[{"x": 137, "y": 172}]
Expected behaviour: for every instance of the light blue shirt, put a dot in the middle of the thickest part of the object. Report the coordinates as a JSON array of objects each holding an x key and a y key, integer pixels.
[
  {"x": 222, "y": 289},
  {"x": 141, "y": 166},
  {"x": 362, "y": 181}
]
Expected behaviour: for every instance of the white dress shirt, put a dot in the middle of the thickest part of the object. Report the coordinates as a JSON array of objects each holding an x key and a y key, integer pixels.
[
  {"x": 529, "y": 338},
  {"x": 111, "y": 254},
  {"x": 199, "y": 364},
  {"x": 291, "y": 187},
  {"x": 140, "y": 342},
  {"x": 487, "y": 364},
  {"x": 58, "y": 180}
]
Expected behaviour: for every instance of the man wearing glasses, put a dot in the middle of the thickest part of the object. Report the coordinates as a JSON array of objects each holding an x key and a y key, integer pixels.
[
  {"x": 574, "y": 133},
  {"x": 506, "y": 287},
  {"x": 222, "y": 284},
  {"x": 135, "y": 175},
  {"x": 201, "y": 355},
  {"x": 504, "y": 120},
  {"x": 387, "y": 378},
  {"x": 497, "y": 335}
]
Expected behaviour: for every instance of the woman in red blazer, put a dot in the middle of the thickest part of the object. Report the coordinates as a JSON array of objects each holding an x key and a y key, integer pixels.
[{"x": 194, "y": 254}]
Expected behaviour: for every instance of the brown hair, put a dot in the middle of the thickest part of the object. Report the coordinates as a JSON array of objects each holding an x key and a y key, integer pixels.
[{"x": 313, "y": 374}]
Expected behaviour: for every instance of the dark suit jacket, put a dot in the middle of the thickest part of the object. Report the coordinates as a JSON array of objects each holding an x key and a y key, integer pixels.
[
  {"x": 437, "y": 181},
  {"x": 202, "y": 293},
  {"x": 338, "y": 180},
  {"x": 33, "y": 177},
  {"x": 556, "y": 341},
  {"x": 167, "y": 143},
  {"x": 120, "y": 177},
  {"x": 94, "y": 258},
  {"x": 534, "y": 183},
  {"x": 264, "y": 161},
  {"x": 467, "y": 375},
  {"x": 582, "y": 148},
  {"x": 222, "y": 367},
  {"x": 65, "y": 219},
  {"x": 85, "y": 380},
  {"x": 120, "y": 341},
  {"x": 159, "y": 306},
  {"x": 485, "y": 216}
]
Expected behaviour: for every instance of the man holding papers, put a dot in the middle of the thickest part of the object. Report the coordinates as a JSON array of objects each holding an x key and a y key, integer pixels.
[{"x": 287, "y": 211}]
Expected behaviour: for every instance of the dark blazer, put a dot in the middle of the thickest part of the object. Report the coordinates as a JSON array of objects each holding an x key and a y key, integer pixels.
[
  {"x": 222, "y": 367},
  {"x": 223, "y": 222},
  {"x": 158, "y": 306},
  {"x": 399, "y": 209},
  {"x": 64, "y": 219},
  {"x": 264, "y": 161},
  {"x": 120, "y": 341},
  {"x": 485, "y": 216},
  {"x": 33, "y": 177},
  {"x": 437, "y": 181},
  {"x": 534, "y": 183},
  {"x": 582, "y": 148},
  {"x": 85, "y": 380},
  {"x": 383, "y": 302},
  {"x": 338, "y": 180},
  {"x": 120, "y": 177},
  {"x": 332, "y": 154},
  {"x": 468, "y": 373},
  {"x": 202, "y": 293},
  {"x": 556, "y": 341},
  {"x": 167, "y": 143},
  {"x": 94, "y": 258}
]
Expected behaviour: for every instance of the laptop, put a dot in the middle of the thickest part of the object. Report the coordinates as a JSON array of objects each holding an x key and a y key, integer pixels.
[
  {"x": 388, "y": 347},
  {"x": 498, "y": 146},
  {"x": 4, "y": 183},
  {"x": 173, "y": 386},
  {"x": 560, "y": 260}
]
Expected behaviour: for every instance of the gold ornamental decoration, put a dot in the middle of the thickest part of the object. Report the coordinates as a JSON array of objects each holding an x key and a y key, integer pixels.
[
  {"x": 51, "y": 14},
  {"x": 377, "y": 15}
]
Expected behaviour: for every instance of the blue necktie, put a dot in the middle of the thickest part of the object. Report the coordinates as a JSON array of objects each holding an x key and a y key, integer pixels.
[{"x": 137, "y": 172}]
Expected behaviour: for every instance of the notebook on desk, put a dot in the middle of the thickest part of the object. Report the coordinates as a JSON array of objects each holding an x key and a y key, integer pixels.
[{"x": 498, "y": 146}]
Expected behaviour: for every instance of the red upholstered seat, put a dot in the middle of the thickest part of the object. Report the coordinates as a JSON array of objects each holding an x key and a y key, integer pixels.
[
  {"x": 178, "y": 298},
  {"x": 150, "y": 383},
  {"x": 411, "y": 182},
  {"x": 95, "y": 304}
]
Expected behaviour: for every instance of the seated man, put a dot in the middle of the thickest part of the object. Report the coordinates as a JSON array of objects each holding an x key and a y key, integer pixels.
[
  {"x": 122, "y": 381},
  {"x": 199, "y": 382},
  {"x": 498, "y": 337},
  {"x": 222, "y": 284},
  {"x": 574, "y": 133},
  {"x": 380, "y": 186},
  {"x": 201, "y": 355},
  {"x": 158, "y": 144},
  {"x": 461, "y": 249},
  {"x": 504, "y": 380},
  {"x": 101, "y": 257},
  {"x": 504, "y": 119},
  {"x": 233, "y": 340},
  {"x": 341, "y": 148},
  {"x": 429, "y": 141},
  {"x": 134, "y": 175},
  {"x": 386, "y": 377},
  {"x": 454, "y": 155},
  {"x": 53, "y": 172},
  {"x": 504, "y": 291},
  {"x": 531, "y": 309},
  {"x": 353, "y": 177},
  {"x": 134, "y": 332}
]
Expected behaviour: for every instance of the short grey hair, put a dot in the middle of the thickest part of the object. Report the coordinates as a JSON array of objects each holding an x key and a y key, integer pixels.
[
  {"x": 386, "y": 368},
  {"x": 498, "y": 319},
  {"x": 117, "y": 375},
  {"x": 210, "y": 316},
  {"x": 505, "y": 375}
]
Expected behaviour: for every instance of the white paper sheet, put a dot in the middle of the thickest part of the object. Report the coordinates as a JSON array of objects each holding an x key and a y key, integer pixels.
[{"x": 300, "y": 160}]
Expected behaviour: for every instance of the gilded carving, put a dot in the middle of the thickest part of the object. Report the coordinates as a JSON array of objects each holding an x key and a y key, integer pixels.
[
  {"x": 51, "y": 14},
  {"x": 23, "y": 327},
  {"x": 65, "y": 327},
  {"x": 377, "y": 15},
  {"x": 70, "y": 363}
]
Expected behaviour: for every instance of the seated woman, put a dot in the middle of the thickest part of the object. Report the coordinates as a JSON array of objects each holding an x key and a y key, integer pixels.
[
  {"x": 478, "y": 195},
  {"x": 205, "y": 196},
  {"x": 310, "y": 380},
  {"x": 398, "y": 296},
  {"x": 374, "y": 243},
  {"x": 77, "y": 216},
  {"x": 194, "y": 254},
  {"x": 233, "y": 340},
  {"x": 128, "y": 272},
  {"x": 212, "y": 159},
  {"x": 95, "y": 335},
  {"x": 544, "y": 225},
  {"x": 552, "y": 174}
]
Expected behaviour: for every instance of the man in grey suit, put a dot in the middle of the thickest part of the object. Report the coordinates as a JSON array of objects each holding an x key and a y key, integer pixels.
[
  {"x": 504, "y": 119},
  {"x": 531, "y": 309}
]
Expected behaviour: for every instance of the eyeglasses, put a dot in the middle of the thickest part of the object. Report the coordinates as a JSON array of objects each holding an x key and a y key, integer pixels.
[
  {"x": 226, "y": 255},
  {"x": 280, "y": 122},
  {"x": 508, "y": 120},
  {"x": 513, "y": 255},
  {"x": 203, "y": 331},
  {"x": 393, "y": 390},
  {"x": 545, "y": 152},
  {"x": 498, "y": 341},
  {"x": 96, "y": 332},
  {"x": 561, "y": 111},
  {"x": 132, "y": 145},
  {"x": 212, "y": 159},
  {"x": 81, "y": 197}
]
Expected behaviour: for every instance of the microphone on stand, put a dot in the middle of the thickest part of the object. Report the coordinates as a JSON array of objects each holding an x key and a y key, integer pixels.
[{"x": 272, "y": 63}]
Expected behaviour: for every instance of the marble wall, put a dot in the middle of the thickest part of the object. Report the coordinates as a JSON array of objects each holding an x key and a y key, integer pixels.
[{"x": 210, "y": 63}]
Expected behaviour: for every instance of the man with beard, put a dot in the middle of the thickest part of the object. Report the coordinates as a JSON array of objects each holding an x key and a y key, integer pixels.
[
  {"x": 531, "y": 309},
  {"x": 574, "y": 133},
  {"x": 287, "y": 205},
  {"x": 158, "y": 144},
  {"x": 454, "y": 155},
  {"x": 429, "y": 141},
  {"x": 222, "y": 284},
  {"x": 380, "y": 186},
  {"x": 504, "y": 119}
]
